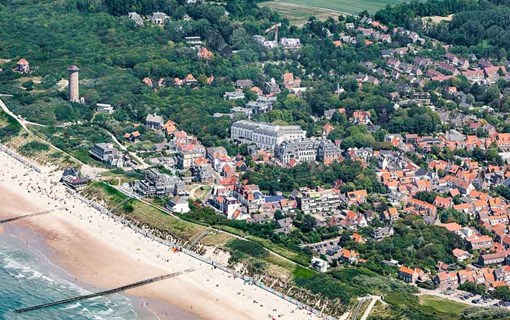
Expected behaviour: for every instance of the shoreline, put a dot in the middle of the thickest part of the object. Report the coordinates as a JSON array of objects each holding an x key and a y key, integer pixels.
[
  {"x": 111, "y": 249},
  {"x": 24, "y": 238}
]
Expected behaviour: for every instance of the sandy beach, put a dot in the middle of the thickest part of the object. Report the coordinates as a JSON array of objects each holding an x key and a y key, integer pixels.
[{"x": 105, "y": 254}]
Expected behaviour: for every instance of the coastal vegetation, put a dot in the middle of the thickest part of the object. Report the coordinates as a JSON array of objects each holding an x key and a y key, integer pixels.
[
  {"x": 9, "y": 127},
  {"x": 32, "y": 148},
  {"x": 26, "y": 143},
  {"x": 142, "y": 214}
]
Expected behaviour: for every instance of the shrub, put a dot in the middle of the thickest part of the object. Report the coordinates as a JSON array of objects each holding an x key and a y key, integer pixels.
[
  {"x": 248, "y": 248},
  {"x": 33, "y": 147}
]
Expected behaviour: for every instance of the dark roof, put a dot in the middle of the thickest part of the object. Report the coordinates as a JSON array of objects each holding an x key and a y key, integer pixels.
[
  {"x": 506, "y": 183},
  {"x": 273, "y": 198}
]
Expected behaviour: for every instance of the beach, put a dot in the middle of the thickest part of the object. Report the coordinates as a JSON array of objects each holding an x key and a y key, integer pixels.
[{"x": 105, "y": 254}]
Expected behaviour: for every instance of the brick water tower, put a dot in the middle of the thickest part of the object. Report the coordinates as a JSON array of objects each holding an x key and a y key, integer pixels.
[{"x": 74, "y": 84}]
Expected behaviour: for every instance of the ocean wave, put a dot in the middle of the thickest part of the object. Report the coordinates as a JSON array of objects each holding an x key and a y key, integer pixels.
[
  {"x": 24, "y": 270},
  {"x": 72, "y": 306},
  {"x": 33, "y": 280}
]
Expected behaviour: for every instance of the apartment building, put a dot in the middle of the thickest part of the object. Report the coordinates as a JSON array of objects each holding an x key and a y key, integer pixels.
[
  {"x": 318, "y": 200},
  {"x": 106, "y": 153},
  {"x": 264, "y": 135},
  {"x": 159, "y": 184},
  {"x": 298, "y": 150}
]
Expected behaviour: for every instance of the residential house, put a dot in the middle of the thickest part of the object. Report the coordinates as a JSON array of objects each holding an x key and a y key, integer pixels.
[
  {"x": 461, "y": 255},
  {"x": 178, "y": 205},
  {"x": 23, "y": 66},
  {"x": 446, "y": 280},
  {"x": 357, "y": 196},
  {"x": 154, "y": 122},
  {"x": 409, "y": 275},
  {"x": 477, "y": 242},
  {"x": 159, "y": 18},
  {"x": 493, "y": 258},
  {"x": 349, "y": 256},
  {"x": 205, "y": 54}
]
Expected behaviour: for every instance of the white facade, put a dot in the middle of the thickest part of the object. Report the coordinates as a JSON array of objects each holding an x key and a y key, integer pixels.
[{"x": 265, "y": 135}]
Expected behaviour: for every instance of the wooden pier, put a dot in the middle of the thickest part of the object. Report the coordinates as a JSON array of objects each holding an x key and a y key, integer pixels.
[
  {"x": 104, "y": 293},
  {"x": 25, "y": 216}
]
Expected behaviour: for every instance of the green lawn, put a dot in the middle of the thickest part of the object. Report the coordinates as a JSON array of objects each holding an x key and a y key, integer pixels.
[
  {"x": 443, "y": 305},
  {"x": 284, "y": 252},
  {"x": 303, "y": 273}
]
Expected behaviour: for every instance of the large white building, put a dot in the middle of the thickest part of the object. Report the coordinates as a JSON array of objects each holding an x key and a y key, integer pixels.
[{"x": 265, "y": 135}]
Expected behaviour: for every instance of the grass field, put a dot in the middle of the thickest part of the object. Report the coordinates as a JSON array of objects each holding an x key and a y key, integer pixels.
[
  {"x": 298, "y": 11},
  {"x": 442, "y": 305}
]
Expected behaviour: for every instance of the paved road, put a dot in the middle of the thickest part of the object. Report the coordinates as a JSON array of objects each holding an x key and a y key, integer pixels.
[
  {"x": 370, "y": 307},
  {"x": 454, "y": 297},
  {"x": 123, "y": 148}
]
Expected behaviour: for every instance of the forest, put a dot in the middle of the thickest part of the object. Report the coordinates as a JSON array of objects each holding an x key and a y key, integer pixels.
[
  {"x": 482, "y": 26},
  {"x": 350, "y": 173}
]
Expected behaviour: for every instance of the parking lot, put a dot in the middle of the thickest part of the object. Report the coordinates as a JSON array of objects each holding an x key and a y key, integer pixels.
[{"x": 468, "y": 298}]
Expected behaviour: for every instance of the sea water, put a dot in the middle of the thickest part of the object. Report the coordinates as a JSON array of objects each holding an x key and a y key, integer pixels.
[{"x": 28, "y": 278}]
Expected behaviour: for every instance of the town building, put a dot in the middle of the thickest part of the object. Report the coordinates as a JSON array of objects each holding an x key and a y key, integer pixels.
[
  {"x": 104, "y": 108},
  {"x": 136, "y": 18},
  {"x": 264, "y": 135},
  {"x": 480, "y": 242},
  {"x": 328, "y": 152},
  {"x": 234, "y": 95},
  {"x": 154, "y": 122},
  {"x": 71, "y": 178},
  {"x": 409, "y": 275},
  {"x": 493, "y": 258},
  {"x": 188, "y": 154},
  {"x": 318, "y": 200},
  {"x": 178, "y": 205},
  {"x": 319, "y": 264},
  {"x": 289, "y": 152},
  {"x": 159, "y": 18},
  {"x": 106, "y": 153},
  {"x": 157, "y": 184},
  {"x": 446, "y": 280}
]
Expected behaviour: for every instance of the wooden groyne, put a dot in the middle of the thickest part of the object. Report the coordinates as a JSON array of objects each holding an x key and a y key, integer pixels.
[
  {"x": 104, "y": 293},
  {"x": 25, "y": 216}
]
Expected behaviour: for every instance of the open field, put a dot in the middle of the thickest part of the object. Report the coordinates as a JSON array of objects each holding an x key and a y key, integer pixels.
[
  {"x": 437, "y": 19},
  {"x": 442, "y": 305},
  {"x": 298, "y": 11}
]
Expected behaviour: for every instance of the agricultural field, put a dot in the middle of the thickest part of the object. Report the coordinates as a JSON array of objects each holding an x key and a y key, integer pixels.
[{"x": 298, "y": 11}]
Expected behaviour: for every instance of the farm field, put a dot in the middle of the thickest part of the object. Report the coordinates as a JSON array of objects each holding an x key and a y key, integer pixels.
[{"x": 298, "y": 11}]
